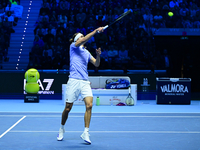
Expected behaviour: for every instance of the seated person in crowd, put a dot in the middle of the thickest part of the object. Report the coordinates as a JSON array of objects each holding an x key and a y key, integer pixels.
[
  {"x": 158, "y": 19},
  {"x": 44, "y": 10},
  {"x": 112, "y": 52},
  {"x": 2, "y": 10},
  {"x": 38, "y": 41},
  {"x": 48, "y": 50},
  {"x": 80, "y": 17},
  {"x": 123, "y": 53},
  {"x": 81, "y": 29}
]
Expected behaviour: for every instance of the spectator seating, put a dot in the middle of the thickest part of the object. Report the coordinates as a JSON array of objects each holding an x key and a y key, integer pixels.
[
  {"x": 129, "y": 44},
  {"x": 7, "y": 21}
]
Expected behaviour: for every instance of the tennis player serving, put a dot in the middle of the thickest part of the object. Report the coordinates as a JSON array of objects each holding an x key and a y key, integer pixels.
[{"x": 78, "y": 80}]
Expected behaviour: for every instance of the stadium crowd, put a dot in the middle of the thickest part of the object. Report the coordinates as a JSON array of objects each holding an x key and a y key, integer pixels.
[
  {"x": 128, "y": 44},
  {"x": 7, "y": 21}
]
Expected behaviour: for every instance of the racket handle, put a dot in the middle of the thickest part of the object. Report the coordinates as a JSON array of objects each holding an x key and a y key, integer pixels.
[
  {"x": 129, "y": 90},
  {"x": 104, "y": 28}
]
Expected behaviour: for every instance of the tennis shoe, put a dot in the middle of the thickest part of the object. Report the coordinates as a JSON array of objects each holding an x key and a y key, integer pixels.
[
  {"x": 85, "y": 137},
  {"x": 60, "y": 134}
]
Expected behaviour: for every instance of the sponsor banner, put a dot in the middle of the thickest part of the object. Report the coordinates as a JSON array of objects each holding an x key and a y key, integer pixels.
[
  {"x": 173, "y": 91},
  {"x": 12, "y": 84}
]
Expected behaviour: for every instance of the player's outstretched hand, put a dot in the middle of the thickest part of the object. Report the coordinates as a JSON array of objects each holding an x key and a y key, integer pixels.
[
  {"x": 100, "y": 29},
  {"x": 98, "y": 51}
]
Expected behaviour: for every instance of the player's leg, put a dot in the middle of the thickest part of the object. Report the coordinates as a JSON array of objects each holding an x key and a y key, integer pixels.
[
  {"x": 68, "y": 107},
  {"x": 72, "y": 93},
  {"x": 88, "y": 113},
  {"x": 65, "y": 112},
  {"x": 88, "y": 104}
]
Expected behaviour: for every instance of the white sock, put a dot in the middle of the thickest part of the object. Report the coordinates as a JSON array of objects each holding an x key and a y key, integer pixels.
[
  {"x": 62, "y": 126},
  {"x": 86, "y": 129}
]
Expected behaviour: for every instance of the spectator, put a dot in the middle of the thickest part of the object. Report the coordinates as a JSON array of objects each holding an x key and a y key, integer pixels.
[
  {"x": 54, "y": 16},
  {"x": 148, "y": 17},
  {"x": 52, "y": 23},
  {"x": 158, "y": 20},
  {"x": 61, "y": 29},
  {"x": 156, "y": 8},
  {"x": 104, "y": 54},
  {"x": 36, "y": 50},
  {"x": 173, "y": 4},
  {"x": 72, "y": 9},
  {"x": 70, "y": 30},
  {"x": 123, "y": 53},
  {"x": 109, "y": 16},
  {"x": 48, "y": 38},
  {"x": 40, "y": 31},
  {"x": 141, "y": 25},
  {"x": 167, "y": 62},
  {"x": 81, "y": 29},
  {"x": 112, "y": 53},
  {"x": 48, "y": 50},
  {"x": 184, "y": 11},
  {"x": 112, "y": 56},
  {"x": 193, "y": 9},
  {"x": 159, "y": 62},
  {"x": 8, "y": 26},
  {"x": 187, "y": 23},
  {"x": 66, "y": 4},
  {"x": 100, "y": 19},
  {"x": 54, "y": 8},
  {"x": 90, "y": 15},
  {"x": 38, "y": 41},
  {"x": 90, "y": 24},
  {"x": 128, "y": 7},
  {"x": 43, "y": 18},
  {"x": 46, "y": 61},
  {"x": 63, "y": 8},
  {"x": 59, "y": 40},
  {"x": 119, "y": 9},
  {"x": 57, "y": 61},
  {"x": 47, "y": 3},
  {"x": 196, "y": 20},
  {"x": 101, "y": 39},
  {"x": 45, "y": 9},
  {"x": 80, "y": 17},
  {"x": 63, "y": 19},
  {"x": 2, "y": 11},
  {"x": 100, "y": 16}
]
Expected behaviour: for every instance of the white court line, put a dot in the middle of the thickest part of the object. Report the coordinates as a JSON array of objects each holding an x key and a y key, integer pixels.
[
  {"x": 58, "y": 116},
  {"x": 38, "y": 112},
  {"x": 12, "y": 126},
  {"x": 171, "y": 132}
]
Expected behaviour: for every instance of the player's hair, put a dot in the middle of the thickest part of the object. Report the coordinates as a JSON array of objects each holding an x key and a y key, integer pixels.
[{"x": 72, "y": 39}]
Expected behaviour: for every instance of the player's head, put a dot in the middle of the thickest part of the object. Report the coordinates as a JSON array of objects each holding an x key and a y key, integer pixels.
[{"x": 76, "y": 37}]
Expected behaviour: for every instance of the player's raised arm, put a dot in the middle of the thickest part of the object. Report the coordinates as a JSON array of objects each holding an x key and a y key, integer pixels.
[
  {"x": 81, "y": 40},
  {"x": 96, "y": 62}
]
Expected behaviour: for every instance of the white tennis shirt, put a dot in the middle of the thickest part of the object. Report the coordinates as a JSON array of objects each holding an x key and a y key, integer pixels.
[{"x": 79, "y": 58}]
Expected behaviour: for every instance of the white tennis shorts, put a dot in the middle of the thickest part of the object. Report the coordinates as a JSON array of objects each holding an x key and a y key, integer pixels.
[{"x": 75, "y": 87}]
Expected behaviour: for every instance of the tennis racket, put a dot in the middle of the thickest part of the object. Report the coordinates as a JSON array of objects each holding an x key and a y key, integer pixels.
[
  {"x": 119, "y": 18},
  {"x": 129, "y": 100}
]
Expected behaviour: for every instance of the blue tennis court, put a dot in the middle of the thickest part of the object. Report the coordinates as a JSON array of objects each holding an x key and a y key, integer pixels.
[{"x": 126, "y": 129}]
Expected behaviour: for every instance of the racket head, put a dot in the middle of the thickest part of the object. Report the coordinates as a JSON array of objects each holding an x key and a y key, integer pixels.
[
  {"x": 129, "y": 101},
  {"x": 119, "y": 18},
  {"x": 123, "y": 15}
]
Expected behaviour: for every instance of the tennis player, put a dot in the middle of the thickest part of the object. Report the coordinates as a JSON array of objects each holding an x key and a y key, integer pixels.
[{"x": 78, "y": 80}]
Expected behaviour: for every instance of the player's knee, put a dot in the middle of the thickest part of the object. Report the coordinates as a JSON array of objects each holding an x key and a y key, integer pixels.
[
  {"x": 89, "y": 106},
  {"x": 68, "y": 107},
  {"x": 67, "y": 110}
]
